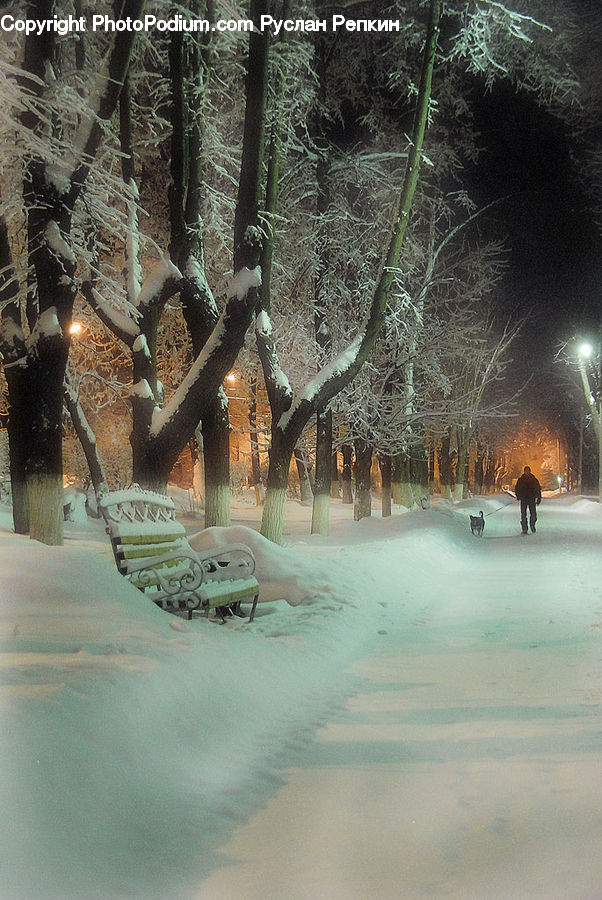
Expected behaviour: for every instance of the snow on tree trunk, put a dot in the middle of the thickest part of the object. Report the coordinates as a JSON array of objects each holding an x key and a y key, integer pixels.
[
  {"x": 320, "y": 514},
  {"x": 45, "y": 498},
  {"x": 362, "y": 469},
  {"x": 217, "y": 503},
  {"x": 272, "y": 519}
]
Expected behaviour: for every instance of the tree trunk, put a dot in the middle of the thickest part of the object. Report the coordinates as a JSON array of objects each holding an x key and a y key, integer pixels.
[
  {"x": 20, "y": 502},
  {"x": 479, "y": 470},
  {"x": 17, "y": 431},
  {"x": 216, "y": 454},
  {"x": 44, "y": 466},
  {"x": 52, "y": 266},
  {"x": 461, "y": 464},
  {"x": 346, "y": 472},
  {"x": 402, "y": 487},
  {"x": 445, "y": 473},
  {"x": 216, "y": 446},
  {"x": 489, "y": 481},
  {"x": 420, "y": 474},
  {"x": 334, "y": 476},
  {"x": 45, "y": 499},
  {"x": 386, "y": 470},
  {"x": 86, "y": 438},
  {"x": 254, "y": 442},
  {"x": 363, "y": 488},
  {"x": 198, "y": 474},
  {"x": 321, "y": 507},
  {"x": 190, "y": 67},
  {"x": 323, "y": 479},
  {"x": 305, "y": 491},
  {"x": 272, "y": 520},
  {"x": 431, "y": 466},
  {"x": 13, "y": 348},
  {"x": 396, "y": 479},
  {"x": 466, "y": 485}
]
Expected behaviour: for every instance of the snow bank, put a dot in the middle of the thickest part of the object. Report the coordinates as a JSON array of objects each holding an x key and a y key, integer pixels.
[
  {"x": 74, "y": 505},
  {"x": 183, "y": 499},
  {"x": 134, "y": 740},
  {"x": 283, "y": 573},
  {"x": 581, "y": 505}
]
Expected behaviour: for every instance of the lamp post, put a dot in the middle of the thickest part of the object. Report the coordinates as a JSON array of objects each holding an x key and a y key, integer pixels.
[
  {"x": 580, "y": 459},
  {"x": 585, "y": 353}
]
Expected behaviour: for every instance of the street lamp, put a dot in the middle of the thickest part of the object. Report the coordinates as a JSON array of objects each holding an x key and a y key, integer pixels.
[{"x": 586, "y": 351}]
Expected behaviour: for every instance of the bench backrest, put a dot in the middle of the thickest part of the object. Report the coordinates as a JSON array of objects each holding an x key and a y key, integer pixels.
[{"x": 142, "y": 524}]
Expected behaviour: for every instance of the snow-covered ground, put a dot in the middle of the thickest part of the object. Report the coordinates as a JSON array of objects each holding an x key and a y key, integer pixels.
[{"x": 424, "y": 721}]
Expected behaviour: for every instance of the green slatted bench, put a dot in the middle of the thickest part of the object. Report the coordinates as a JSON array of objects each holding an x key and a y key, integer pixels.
[{"x": 151, "y": 550}]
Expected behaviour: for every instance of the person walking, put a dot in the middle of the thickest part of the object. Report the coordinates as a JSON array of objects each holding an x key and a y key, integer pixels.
[{"x": 528, "y": 494}]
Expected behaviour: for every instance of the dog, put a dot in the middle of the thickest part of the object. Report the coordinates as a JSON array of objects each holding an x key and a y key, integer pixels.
[{"x": 477, "y": 524}]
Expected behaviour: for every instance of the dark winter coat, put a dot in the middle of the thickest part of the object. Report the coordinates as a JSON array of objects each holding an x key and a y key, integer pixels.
[{"x": 528, "y": 487}]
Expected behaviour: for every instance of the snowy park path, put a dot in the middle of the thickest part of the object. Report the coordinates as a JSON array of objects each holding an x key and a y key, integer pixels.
[
  {"x": 468, "y": 761},
  {"x": 421, "y": 719}
]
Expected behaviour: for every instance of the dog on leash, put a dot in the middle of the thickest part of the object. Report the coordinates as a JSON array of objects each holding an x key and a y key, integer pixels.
[{"x": 477, "y": 524}]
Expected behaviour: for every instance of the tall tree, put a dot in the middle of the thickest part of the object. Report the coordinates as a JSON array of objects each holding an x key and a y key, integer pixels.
[
  {"x": 59, "y": 147},
  {"x": 160, "y": 433},
  {"x": 290, "y": 414}
]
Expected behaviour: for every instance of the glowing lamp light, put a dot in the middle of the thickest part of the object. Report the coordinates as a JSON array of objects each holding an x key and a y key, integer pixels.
[
  {"x": 75, "y": 328},
  {"x": 559, "y": 479},
  {"x": 586, "y": 350},
  {"x": 231, "y": 377}
]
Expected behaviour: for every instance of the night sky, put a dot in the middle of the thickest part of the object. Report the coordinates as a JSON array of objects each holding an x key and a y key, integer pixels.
[{"x": 554, "y": 267}]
